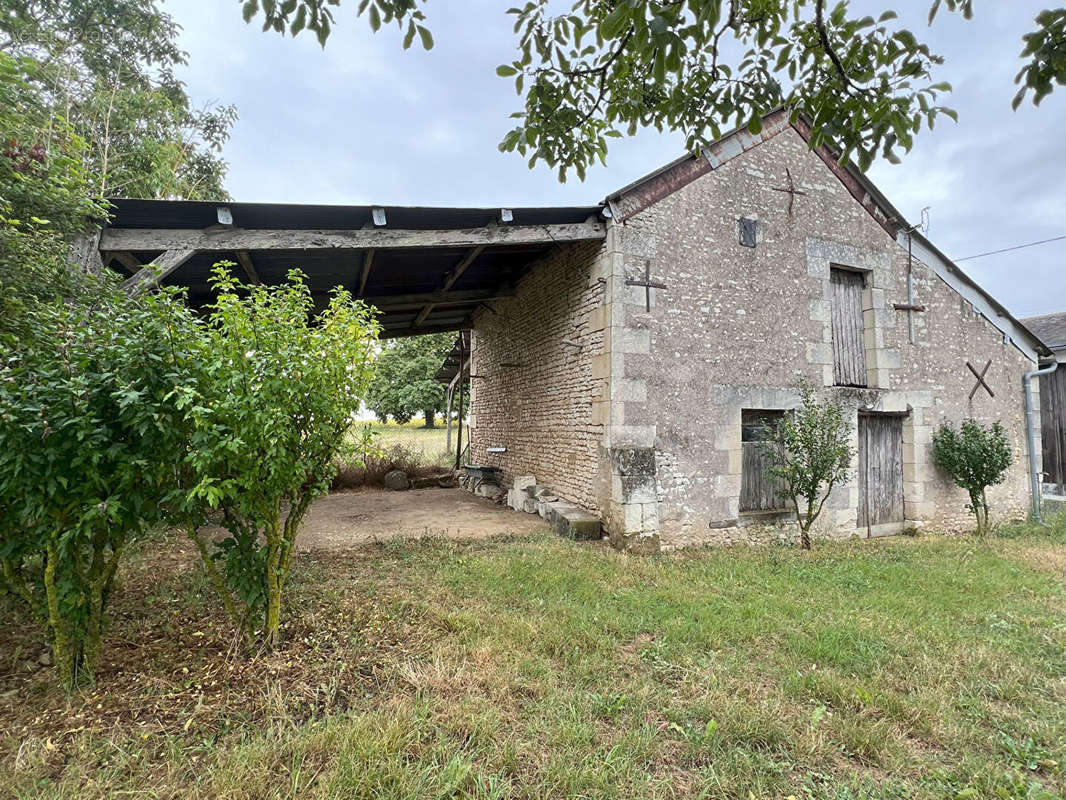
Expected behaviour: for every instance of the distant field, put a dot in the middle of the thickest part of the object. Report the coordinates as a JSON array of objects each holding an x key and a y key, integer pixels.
[{"x": 430, "y": 442}]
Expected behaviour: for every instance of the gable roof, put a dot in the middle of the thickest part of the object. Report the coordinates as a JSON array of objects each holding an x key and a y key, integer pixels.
[
  {"x": 666, "y": 180},
  {"x": 1051, "y": 328}
]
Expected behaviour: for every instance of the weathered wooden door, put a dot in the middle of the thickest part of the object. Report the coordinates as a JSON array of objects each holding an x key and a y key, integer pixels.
[
  {"x": 849, "y": 343},
  {"x": 880, "y": 469}
]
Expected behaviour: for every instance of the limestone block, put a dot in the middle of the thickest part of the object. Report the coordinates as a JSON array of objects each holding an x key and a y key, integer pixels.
[
  {"x": 633, "y": 517},
  {"x": 632, "y": 340},
  {"x": 629, "y": 390},
  {"x": 529, "y": 505},
  {"x": 521, "y": 482},
  {"x": 632, "y": 436},
  {"x": 819, "y": 353}
]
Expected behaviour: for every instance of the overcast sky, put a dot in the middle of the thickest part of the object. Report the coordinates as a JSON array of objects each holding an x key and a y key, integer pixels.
[{"x": 364, "y": 121}]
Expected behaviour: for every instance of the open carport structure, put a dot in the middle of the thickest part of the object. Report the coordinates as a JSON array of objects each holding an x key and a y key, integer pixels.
[{"x": 426, "y": 269}]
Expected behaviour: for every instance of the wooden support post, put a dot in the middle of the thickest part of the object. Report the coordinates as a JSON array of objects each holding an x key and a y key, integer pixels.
[
  {"x": 448, "y": 419},
  {"x": 459, "y": 426},
  {"x": 85, "y": 253}
]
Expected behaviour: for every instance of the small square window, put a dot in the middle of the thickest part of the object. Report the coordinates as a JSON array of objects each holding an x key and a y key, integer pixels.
[{"x": 747, "y": 231}]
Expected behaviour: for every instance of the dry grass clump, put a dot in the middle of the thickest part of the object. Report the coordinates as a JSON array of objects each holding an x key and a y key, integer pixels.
[{"x": 371, "y": 471}]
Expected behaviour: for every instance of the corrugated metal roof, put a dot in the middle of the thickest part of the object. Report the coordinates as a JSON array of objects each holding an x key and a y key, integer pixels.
[{"x": 395, "y": 272}]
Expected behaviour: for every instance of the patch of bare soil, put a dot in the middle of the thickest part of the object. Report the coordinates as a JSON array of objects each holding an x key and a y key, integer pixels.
[
  {"x": 171, "y": 663},
  {"x": 347, "y": 519}
]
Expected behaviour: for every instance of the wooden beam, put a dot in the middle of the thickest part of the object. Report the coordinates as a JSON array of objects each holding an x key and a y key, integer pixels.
[
  {"x": 397, "y": 331},
  {"x": 152, "y": 274},
  {"x": 472, "y": 297},
  {"x": 451, "y": 277},
  {"x": 368, "y": 262},
  {"x": 353, "y": 239},
  {"x": 245, "y": 259},
  {"x": 128, "y": 261}
]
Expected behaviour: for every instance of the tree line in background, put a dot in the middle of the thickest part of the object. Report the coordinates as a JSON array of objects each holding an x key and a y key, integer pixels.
[{"x": 404, "y": 383}]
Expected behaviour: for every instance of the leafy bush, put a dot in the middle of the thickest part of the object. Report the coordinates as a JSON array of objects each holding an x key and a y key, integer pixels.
[
  {"x": 812, "y": 455},
  {"x": 974, "y": 457},
  {"x": 90, "y": 437},
  {"x": 277, "y": 389}
]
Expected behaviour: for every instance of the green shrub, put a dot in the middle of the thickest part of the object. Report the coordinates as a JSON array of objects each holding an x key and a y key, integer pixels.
[{"x": 974, "y": 457}]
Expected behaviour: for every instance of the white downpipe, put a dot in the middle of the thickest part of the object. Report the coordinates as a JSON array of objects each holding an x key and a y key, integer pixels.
[{"x": 1030, "y": 435}]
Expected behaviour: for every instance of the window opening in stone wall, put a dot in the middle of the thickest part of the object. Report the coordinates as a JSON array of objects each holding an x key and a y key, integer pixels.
[
  {"x": 760, "y": 489},
  {"x": 849, "y": 340}
]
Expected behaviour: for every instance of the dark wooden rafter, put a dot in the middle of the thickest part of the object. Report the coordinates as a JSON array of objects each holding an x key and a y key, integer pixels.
[
  {"x": 419, "y": 301},
  {"x": 244, "y": 258},
  {"x": 364, "y": 272},
  {"x": 129, "y": 262},
  {"x": 233, "y": 239},
  {"x": 449, "y": 281},
  {"x": 152, "y": 274}
]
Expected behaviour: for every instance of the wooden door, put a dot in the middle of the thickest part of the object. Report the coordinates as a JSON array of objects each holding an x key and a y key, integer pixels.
[
  {"x": 880, "y": 469},
  {"x": 849, "y": 343},
  {"x": 1053, "y": 426}
]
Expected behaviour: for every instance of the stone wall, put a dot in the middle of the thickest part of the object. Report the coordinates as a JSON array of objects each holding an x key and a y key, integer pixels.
[
  {"x": 532, "y": 381},
  {"x": 736, "y": 326}
]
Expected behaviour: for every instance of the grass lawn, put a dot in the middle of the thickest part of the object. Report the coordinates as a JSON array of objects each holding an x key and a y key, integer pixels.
[{"x": 898, "y": 668}]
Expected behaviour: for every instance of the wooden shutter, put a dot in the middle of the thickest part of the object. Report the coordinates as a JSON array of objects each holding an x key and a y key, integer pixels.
[
  {"x": 849, "y": 345},
  {"x": 1053, "y": 425},
  {"x": 760, "y": 489}
]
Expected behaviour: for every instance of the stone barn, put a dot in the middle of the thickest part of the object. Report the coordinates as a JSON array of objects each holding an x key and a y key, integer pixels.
[
  {"x": 635, "y": 376},
  {"x": 630, "y": 355}
]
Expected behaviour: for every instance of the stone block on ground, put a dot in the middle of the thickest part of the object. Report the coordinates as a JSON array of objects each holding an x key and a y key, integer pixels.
[
  {"x": 396, "y": 480},
  {"x": 522, "y": 481},
  {"x": 572, "y": 522},
  {"x": 426, "y": 482},
  {"x": 529, "y": 505}
]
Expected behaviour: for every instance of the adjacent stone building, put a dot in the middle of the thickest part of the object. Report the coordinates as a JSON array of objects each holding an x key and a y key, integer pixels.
[{"x": 636, "y": 375}]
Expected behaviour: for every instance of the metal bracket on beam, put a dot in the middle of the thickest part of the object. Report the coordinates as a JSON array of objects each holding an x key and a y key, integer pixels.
[{"x": 379, "y": 216}]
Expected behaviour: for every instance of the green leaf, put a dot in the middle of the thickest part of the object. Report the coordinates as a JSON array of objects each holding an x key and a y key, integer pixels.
[
  {"x": 506, "y": 71},
  {"x": 427, "y": 38}
]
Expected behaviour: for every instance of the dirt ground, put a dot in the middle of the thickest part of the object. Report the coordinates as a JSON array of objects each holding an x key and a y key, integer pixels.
[{"x": 345, "y": 519}]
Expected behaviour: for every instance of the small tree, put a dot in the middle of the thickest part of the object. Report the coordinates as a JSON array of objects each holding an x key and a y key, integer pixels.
[
  {"x": 278, "y": 389},
  {"x": 811, "y": 455},
  {"x": 974, "y": 457}
]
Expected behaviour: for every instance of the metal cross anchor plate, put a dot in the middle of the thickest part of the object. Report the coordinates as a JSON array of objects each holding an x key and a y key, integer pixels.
[
  {"x": 647, "y": 283},
  {"x": 791, "y": 190},
  {"x": 980, "y": 379}
]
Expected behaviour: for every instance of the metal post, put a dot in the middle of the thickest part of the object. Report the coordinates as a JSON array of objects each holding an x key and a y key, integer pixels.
[
  {"x": 1030, "y": 435},
  {"x": 459, "y": 425}
]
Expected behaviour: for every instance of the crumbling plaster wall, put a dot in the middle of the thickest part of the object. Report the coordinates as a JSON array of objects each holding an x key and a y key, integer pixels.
[
  {"x": 737, "y": 326},
  {"x": 532, "y": 382}
]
